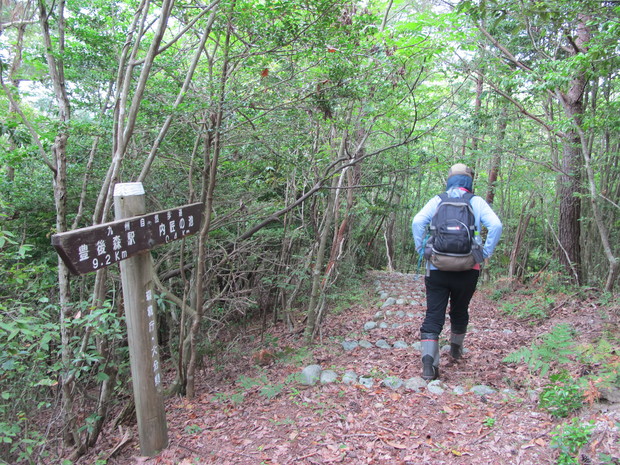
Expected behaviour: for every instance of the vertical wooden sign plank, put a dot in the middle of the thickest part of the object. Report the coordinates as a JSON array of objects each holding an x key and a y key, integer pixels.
[{"x": 140, "y": 307}]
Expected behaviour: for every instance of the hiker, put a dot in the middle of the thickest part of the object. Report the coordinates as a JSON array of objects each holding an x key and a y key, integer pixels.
[{"x": 457, "y": 287}]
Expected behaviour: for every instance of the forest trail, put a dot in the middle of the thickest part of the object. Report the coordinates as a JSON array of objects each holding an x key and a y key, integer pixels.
[{"x": 246, "y": 413}]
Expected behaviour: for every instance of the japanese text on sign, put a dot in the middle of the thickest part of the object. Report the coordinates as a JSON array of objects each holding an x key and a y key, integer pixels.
[{"x": 88, "y": 249}]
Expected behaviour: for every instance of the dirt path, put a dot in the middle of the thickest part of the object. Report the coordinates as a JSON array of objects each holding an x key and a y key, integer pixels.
[{"x": 246, "y": 413}]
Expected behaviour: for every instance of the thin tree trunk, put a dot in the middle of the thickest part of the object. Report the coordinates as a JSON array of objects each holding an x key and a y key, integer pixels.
[
  {"x": 180, "y": 96},
  {"x": 59, "y": 157},
  {"x": 497, "y": 155},
  {"x": 520, "y": 234},
  {"x": 204, "y": 232},
  {"x": 389, "y": 228},
  {"x": 126, "y": 109},
  {"x": 317, "y": 268}
]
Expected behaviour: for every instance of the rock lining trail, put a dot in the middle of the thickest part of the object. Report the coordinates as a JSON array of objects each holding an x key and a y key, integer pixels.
[
  {"x": 396, "y": 290},
  {"x": 367, "y": 404}
]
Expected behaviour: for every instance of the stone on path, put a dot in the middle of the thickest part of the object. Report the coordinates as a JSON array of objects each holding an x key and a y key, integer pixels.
[
  {"x": 383, "y": 344},
  {"x": 366, "y": 381},
  {"x": 459, "y": 390},
  {"x": 436, "y": 387},
  {"x": 366, "y": 344},
  {"x": 483, "y": 390},
  {"x": 328, "y": 376},
  {"x": 369, "y": 326},
  {"x": 400, "y": 345},
  {"x": 610, "y": 393},
  {"x": 310, "y": 375},
  {"x": 349, "y": 345},
  {"x": 415, "y": 384},
  {"x": 393, "y": 382},
  {"x": 390, "y": 301},
  {"x": 349, "y": 377}
]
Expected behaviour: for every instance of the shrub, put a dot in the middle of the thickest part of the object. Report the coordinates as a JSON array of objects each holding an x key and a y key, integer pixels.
[{"x": 561, "y": 397}]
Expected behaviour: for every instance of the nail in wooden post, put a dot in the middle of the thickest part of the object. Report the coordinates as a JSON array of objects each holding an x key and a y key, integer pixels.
[{"x": 140, "y": 308}]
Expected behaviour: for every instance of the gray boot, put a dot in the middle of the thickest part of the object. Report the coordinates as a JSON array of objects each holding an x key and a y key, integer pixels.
[
  {"x": 430, "y": 356},
  {"x": 456, "y": 345}
]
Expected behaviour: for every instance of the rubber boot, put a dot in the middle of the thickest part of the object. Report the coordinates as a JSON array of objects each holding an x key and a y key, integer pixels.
[
  {"x": 456, "y": 345},
  {"x": 430, "y": 356}
]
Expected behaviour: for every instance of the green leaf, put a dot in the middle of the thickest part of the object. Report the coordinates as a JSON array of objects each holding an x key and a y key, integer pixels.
[
  {"x": 102, "y": 376},
  {"x": 46, "y": 382}
]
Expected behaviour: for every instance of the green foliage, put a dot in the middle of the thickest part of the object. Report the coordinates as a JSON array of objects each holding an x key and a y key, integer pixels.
[
  {"x": 536, "y": 307},
  {"x": 262, "y": 385},
  {"x": 554, "y": 348},
  {"x": 247, "y": 383},
  {"x": 193, "y": 429},
  {"x": 499, "y": 293},
  {"x": 562, "y": 396},
  {"x": 569, "y": 438},
  {"x": 271, "y": 390},
  {"x": 598, "y": 352},
  {"x": 29, "y": 338},
  {"x": 348, "y": 292}
]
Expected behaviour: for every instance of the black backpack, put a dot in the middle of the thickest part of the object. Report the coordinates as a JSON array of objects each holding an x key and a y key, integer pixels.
[{"x": 452, "y": 246}]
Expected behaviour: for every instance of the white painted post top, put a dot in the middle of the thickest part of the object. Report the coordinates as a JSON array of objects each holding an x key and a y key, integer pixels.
[{"x": 127, "y": 189}]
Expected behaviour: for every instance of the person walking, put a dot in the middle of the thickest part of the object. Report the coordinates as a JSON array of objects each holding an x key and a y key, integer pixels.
[{"x": 455, "y": 287}]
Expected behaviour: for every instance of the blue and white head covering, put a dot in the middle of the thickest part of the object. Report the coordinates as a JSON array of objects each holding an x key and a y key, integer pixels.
[{"x": 460, "y": 175}]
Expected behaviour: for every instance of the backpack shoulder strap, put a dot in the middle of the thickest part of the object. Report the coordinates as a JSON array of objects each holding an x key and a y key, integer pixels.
[{"x": 468, "y": 196}]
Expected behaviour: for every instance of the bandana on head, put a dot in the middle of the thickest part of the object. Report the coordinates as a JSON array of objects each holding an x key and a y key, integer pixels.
[{"x": 460, "y": 180}]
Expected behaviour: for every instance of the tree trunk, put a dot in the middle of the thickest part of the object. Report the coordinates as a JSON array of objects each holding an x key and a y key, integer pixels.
[
  {"x": 211, "y": 165},
  {"x": 496, "y": 161},
  {"x": 569, "y": 191},
  {"x": 569, "y": 188},
  {"x": 59, "y": 157},
  {"x": 317, "y": 268},
  {"x": 389, "y": 230},
  {"x": 524, "y": 222}
]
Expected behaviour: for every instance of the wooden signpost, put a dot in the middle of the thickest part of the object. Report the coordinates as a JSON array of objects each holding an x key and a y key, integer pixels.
[{"x": 128, "y": 241}]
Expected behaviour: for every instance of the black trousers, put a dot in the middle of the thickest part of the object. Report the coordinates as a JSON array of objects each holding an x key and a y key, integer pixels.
[{"x": 456, "y": 287}]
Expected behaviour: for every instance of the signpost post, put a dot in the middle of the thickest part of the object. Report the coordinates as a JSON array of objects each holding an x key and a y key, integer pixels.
[{"x": 128, "y": 240}]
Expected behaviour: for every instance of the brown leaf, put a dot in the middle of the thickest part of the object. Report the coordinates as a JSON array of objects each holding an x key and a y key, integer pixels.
[{"x": 395, "y": 445}]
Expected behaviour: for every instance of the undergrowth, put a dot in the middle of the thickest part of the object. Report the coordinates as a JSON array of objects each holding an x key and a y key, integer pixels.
[{"x": 555, "y": 347}]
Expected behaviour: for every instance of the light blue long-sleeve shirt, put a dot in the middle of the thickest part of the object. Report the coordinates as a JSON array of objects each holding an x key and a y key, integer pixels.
[{"x": 483, "y": 214}]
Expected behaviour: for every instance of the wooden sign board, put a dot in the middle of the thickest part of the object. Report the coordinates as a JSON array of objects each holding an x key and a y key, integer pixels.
[{"x": 88, "y": 249}]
